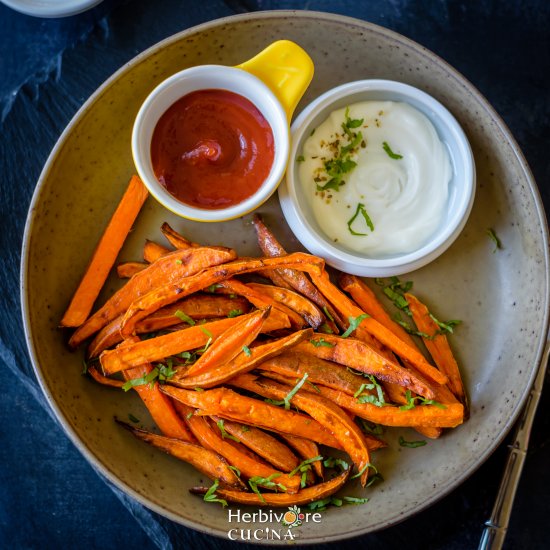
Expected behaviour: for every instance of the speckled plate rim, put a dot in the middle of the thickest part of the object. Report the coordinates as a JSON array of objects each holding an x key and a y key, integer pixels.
[{"x": 443, "y": 490}]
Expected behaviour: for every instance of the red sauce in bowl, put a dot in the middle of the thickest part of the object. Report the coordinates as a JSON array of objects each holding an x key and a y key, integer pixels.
[{"x": 212, "y": 149}]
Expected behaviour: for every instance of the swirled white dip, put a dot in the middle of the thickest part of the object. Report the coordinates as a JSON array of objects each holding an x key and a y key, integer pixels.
[{"x": 377, "y": 204}]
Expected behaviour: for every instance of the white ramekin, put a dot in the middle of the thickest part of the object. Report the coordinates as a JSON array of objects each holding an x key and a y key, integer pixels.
[
  {"x": 205, "y": 77},
  {"x": 298, "y": 212}
]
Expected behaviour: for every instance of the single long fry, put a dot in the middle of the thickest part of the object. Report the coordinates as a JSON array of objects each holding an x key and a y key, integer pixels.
[
  {"x": 438, "y": 346},
  {"x": 298, "y": 303},
  {"x": 419, "y": 416},
  {"x": 329, "y": 415},
  {"x": 105, "y": 254},
  {"x": 295, "y": 279},
  {"x": 360, "y": 356},
  {"x": 247, "y": 410},
  {"x": 263, "y": 444},
  {"x": 173, "y": 266},
  {"x": 245, "y": 361},
  {"x": 376, "y": 329},
  {"x": 230, "y": 343},
  {"x": 206, "y": 461},
  {"x": 157, "y": 349},
  {"x": 281, "y": 500},
  {"x": 178, "y": 288},
  {"x": 196, "y": 306}
]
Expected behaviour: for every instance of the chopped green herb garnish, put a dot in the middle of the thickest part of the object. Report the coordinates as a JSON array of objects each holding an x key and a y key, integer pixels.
[
  {"x": 354, "y": 322},
  {"x": 398, "y": 300},
  {"x": 305, "y": 465},
  {"x": 377, "y": 399},
  {"x": 370, "y": 428},
  {"x": 182, "y": 316},
  {"x": 133, "y": 418},
  {"x": 211, "y": 496},
  {"x": 327, "y": 313},
  {"x": 147, "y": 379},
  {"x": 286, "y": 400},
  {"x": 189, "y": 415},
  {"x": 390, "y": 153},
  {"x": 246, "y": 351},
  {"x": 245, "y": 428},
  {"x": 266, "y": 482},
  {"x": 84, "y": 367},
  {"x": 321, "y": 342},
  {"x": 199, "y": 389},
  {"x": 411, "y": 402},
  {"x": 179, "y": 262},
  {"x": 300, "y": 158},
  {"x": 360, "y": 210},
  {"x": 313, "y": 386},
  {"x": 446, "y": 326},
  {"x": 207, "y": 345},
  {"x": 410, "y": 330},
  {"x": 493, "y": 236},
  {"x": 236, "y": 470},
  {"x": 355, "y": 500},
  {"x": 225, "y": 435},
  {"x": 332, "y": 462},
  {"x": 235, "y": 313},
  {"x": 351, "y": 123},
  {"x": 213, "y": 288},
  {"x": 367, "y": 466},
  {"x": 411, "y": 444},
  {"x": 326, "y": 329}
]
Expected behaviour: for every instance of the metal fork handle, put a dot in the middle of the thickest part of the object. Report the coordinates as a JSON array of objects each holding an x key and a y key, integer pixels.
[{"x": 494, "y": 533}]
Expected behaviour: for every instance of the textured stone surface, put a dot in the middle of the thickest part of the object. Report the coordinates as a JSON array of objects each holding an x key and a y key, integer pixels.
[{"x": 47, "y": 487}]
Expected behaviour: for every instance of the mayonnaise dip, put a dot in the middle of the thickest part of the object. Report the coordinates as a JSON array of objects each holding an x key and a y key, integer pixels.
[{"x": 376, "y": 175}]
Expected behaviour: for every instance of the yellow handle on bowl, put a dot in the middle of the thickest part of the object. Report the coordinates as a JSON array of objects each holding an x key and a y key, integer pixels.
[{"x": 286, "y": 69}]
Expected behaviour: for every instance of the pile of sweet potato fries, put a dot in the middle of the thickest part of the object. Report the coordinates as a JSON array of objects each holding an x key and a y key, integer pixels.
[{"x": 245, "y": 379}]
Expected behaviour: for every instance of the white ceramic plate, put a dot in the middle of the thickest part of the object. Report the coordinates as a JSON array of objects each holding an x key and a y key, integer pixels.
[{"x": 502, "y": 297}]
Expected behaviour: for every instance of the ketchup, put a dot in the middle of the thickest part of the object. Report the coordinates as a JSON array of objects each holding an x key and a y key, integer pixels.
[{"x": 212, "y": 149}]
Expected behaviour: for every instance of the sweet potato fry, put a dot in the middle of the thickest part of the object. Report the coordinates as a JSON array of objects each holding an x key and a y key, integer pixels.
[
  {"x": 179, "y": 288},
  {"x": 329, "y": 415},
  {"x": 129, "y": 269},
  {"x": 306, "y": 449},
  {"x": 295, "y": 279},
  {"x": 398, "y": 396},
  {"x": 281, "y": 500},
  {"x": 438, "y": 346},
  {"x": 175, "y": 239},
  {"x": 235, "y": 453},
  {"x": 196, "y": 306},
  {"x": 245, "y": 361},
  {"x": 298, "y": 303},
  {"x": 375, "y": 329},
  {"x": 157, "y": 349},
  {"x": 230, "y": 405},
  {"x": 262, "y": 300},
  {"x": 173, "y": 266},
  {"x": 230, "y": 343},
  {"x": 360, "y": 356},
  {"x": 263, "y": 444},
  {"x": 420, "y": 416},
  {"x": 373, "y": 442},
  {"x": 206, "y": 461},
  {"x": 295, "y": 364},
  {"x": 152, "y": 251},
  {"x": 105, "y": 254},
  {"x": 159, "y": 405},
  {"x": 370, "y": 304}
]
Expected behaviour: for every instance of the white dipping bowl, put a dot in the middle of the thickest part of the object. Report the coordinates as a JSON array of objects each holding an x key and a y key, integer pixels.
[
  {"x": 208, "y": 77},
  {"x": 298, "y": 211}
]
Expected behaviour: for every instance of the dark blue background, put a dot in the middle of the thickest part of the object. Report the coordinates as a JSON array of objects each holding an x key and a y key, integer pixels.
[{"x": 49, "y": 496}]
